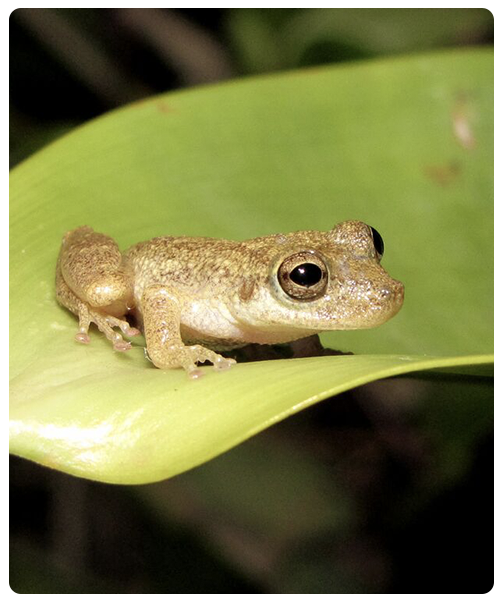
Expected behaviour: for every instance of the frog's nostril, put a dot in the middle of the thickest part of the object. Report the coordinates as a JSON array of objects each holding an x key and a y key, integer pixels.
[{"x": 399, "y": 292}]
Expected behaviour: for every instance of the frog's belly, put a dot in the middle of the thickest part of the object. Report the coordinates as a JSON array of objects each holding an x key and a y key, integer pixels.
[
  {"x": 210, "y": 325},
  {"x": 216, "y": 328}
]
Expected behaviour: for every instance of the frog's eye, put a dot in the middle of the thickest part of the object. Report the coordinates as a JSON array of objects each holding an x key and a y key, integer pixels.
[
  {"x": 303, "y": 276},
  {"x": 378, "y": 242}
]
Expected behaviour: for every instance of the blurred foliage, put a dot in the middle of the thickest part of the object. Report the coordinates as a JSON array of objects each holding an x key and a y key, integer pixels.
[
  {"x": 406, "y": 463},
  {"x": 269, "y": 39}
]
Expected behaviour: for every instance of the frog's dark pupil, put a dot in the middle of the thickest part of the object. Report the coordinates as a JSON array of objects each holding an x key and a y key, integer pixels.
[
  {"x": 378, "y": 242},
  {"x": 306, "y": 274}
]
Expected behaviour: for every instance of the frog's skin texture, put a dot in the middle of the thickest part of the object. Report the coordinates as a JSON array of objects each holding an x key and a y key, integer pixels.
[{"x": 191, "y": 296}]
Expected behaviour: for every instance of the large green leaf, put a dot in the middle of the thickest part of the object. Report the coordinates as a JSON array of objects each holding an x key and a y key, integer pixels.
[{"x": 405, "y": 145}]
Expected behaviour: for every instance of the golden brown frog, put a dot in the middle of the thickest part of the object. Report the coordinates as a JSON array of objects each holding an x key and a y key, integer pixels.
[{"x": 191, "y": 296}]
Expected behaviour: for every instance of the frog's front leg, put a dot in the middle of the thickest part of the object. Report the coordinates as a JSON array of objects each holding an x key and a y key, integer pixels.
[
  {"x": 92, "y": 283},
  {"x": 161, "y": 313}
]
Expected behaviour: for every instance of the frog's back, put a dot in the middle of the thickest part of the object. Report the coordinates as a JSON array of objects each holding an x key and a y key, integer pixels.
[{"x": 183, "y": 261}]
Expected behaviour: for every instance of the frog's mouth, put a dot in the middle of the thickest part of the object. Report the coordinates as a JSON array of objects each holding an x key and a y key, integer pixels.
[
  {"x": 377, "y": 308},
  {"x": 364, "y": 310}
]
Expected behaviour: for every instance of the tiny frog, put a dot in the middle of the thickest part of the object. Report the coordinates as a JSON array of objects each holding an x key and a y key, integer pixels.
[{"x": 191, "y": 296}]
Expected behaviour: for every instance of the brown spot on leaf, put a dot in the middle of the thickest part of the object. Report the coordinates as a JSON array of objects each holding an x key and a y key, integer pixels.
[
  {"x": 443, "y": 175},
  {"x": 163, "y": 107}
]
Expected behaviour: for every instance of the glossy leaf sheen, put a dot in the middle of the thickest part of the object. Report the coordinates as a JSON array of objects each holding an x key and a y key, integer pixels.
[{"x": 381, "y": 141}]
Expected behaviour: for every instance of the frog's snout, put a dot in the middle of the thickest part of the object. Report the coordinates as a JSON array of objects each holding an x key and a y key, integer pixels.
[{"x": 395, "y": 294}]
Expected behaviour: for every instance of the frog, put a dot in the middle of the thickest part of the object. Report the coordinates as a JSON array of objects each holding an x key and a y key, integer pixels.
[{"x": 195, "y": 297}]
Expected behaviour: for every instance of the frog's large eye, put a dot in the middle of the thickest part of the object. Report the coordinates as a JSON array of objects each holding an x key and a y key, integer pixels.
[
  {"x": 378, "y": 242},
  {"x": 303, "y": 276}
]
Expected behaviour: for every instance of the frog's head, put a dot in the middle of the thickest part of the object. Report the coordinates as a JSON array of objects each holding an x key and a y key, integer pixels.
[{"x": 323, "y": 281}]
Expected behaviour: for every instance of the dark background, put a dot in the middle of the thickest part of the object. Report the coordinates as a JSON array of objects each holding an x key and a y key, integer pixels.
[{"x": 387, "y": 488}]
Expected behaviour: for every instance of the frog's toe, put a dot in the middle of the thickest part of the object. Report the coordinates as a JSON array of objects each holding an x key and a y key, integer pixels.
[
  {"x": 123, "y": 325},
  {"x": 195, "y": 373},
  {"x": 122, "y": 346},
  {"x": 223, "y": 364},
  {"x": 82, "y": 337},
  {"x": 200, "y": 354},
  {"x": 132, "y": 331},
  {"x": 119, "y": 344}
]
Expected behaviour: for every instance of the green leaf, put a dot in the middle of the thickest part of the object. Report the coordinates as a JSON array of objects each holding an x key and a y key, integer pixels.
[{"x": 405, "y": 145}]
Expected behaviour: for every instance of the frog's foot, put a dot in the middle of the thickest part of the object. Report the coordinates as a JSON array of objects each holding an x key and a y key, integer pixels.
[
  {"x": 196, "y": 353},
  {"x": 105, "y": 323},
  {"x": 186, "y": 357}
]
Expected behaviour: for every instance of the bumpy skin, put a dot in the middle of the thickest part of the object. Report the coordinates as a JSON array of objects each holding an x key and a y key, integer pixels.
[{"x": 221, "y": 294}]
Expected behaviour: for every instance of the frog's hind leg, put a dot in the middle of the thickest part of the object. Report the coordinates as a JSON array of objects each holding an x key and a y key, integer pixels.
[{"x": 93, "y": 284}]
